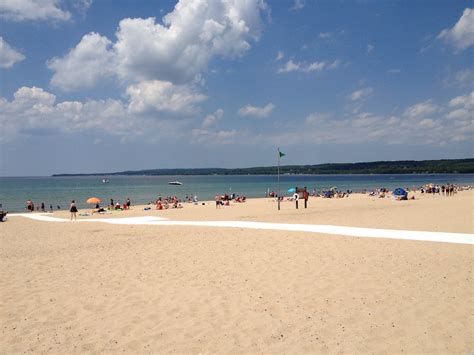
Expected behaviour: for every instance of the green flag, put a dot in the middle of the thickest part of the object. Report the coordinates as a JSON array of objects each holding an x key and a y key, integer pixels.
[{"x": 280, "y": 154}]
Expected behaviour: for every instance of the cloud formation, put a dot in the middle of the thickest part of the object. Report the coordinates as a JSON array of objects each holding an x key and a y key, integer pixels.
[
  {"x": 91, "y": 61},
  {"x": 36, "y": 10},
  {"x": 361, "y": 94},
  {"x": 9, "y": 55},
  {"x": 212, "y": 119},
  {"x": 421, "y": 109},
  {"x": 461, "y": 35},
  {"x": 178, "y": 50},
  {"x": 35, "y": 111},
  {"x": 255, "y": 111},
  {"x": 462, "y": 108},
  {"x": 163, "y": 96},
  {"x": 447, "y": 123},
  {"x": 291, "y": 66}
]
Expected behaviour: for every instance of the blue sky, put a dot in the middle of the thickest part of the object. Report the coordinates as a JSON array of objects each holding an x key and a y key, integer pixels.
[{"x": 102, "y": 86}]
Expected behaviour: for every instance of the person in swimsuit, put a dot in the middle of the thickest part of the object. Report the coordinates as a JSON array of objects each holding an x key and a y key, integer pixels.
[{"x": 73, "y": 210}]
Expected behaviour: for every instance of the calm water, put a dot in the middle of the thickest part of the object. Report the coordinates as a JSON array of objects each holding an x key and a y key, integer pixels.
[{"x": 143, "y": 189}]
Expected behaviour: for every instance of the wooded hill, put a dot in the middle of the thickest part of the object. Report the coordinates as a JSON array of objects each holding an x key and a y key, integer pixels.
[{"x": 460, "y": 166}]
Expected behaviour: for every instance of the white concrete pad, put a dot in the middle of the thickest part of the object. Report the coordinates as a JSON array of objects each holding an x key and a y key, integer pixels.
[{"x": 444, "y": 237}]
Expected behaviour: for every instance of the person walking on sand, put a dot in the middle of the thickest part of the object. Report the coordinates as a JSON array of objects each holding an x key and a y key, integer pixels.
[{"x": 73, "y": 210}]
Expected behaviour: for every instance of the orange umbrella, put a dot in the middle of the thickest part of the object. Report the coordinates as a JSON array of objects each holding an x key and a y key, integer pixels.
[{"x": 94, "y": 200}]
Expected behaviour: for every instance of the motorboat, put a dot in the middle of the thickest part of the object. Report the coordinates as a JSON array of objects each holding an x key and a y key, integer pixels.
[{"x": 175, "y": 183}]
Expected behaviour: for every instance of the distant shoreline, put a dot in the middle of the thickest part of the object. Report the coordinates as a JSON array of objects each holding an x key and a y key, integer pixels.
[{"x": 403, "y": 167}]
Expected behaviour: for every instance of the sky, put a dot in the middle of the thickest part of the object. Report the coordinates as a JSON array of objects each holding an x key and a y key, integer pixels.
[{"x": 112, "y": 85}]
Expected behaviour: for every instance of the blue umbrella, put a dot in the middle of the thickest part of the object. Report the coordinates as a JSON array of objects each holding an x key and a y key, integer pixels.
[
  {"x": 399, "y": 192},
  {"x": 292, "y": 190}
]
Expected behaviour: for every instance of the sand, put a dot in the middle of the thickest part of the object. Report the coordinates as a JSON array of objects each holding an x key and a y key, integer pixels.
[{"x": 94, "y": 287}]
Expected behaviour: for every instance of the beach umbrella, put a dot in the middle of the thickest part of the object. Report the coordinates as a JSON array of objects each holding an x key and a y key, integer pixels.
[
  {"x": 292, "y": 190},
  {"x": 334, "y": 188},
  {"x": 94, "y": 200},
  {"x": 399, "y": 192}
]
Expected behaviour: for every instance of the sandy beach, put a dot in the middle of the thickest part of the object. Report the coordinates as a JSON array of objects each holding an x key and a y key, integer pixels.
[{"x": 95, "y": 287}]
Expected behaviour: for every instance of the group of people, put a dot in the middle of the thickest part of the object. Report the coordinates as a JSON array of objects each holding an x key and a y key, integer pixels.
[
  {"x": 168, "y": 202},
  {"x": 117, "y": 205},
  {"x": 224, "y": 200},
  {"x": 447, "y": 190},
  {"x": 98, "y": 209},
  {"x": 30, "y": 207}
]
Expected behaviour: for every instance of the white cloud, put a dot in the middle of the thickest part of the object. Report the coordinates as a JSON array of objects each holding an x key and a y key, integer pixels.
[
  {"x": 464, "y": 108},
  {"x": 178, "y": 50},
  {"x": 461, "y": 36},
  {"x": 427, "y": 123},
  {"x": 466, "y": 101},
  {"x": 437, "y": 129},
  {"x": 151, "y": 111},
  {"x": 315, "y": 66},
  {"x": 33, "y": 97},
  {"x": 291, "y": 66},
  {"x": 370, "y": 48},
  {"x": 422, "y": 109},
  {"x": 192, "y": 34},
  {"x": 25, "y": 10},
  {"x": 298, "y": 5},
  {"x": 461, "y": 114},
  {"x": 35, "y": 111},
  {"x": 9, "y": 55},
  {"x": 211, "y": 119},
  {"x": 163, "y": 96},
  {"x": 361, "y": 94},
  {"x": 364, "y": 119},
  {"x": 280, "y": 56},
  {"x": 85, "y": 65},
  {"x": 324, "y": 35},
  {"x": 256, "y": 111}
]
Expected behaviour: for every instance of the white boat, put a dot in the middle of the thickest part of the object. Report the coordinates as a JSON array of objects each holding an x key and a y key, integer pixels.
[{"x": 175, "y": 183}]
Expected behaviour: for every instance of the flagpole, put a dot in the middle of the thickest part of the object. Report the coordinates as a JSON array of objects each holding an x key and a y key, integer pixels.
[{"x": 278, "y": 196}]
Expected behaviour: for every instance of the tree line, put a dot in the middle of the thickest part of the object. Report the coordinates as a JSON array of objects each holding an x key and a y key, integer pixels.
[{"x": 445, "y": 166}]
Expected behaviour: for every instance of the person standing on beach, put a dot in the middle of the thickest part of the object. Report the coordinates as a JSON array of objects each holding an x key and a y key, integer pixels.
[{"x": 73, "y": 210}]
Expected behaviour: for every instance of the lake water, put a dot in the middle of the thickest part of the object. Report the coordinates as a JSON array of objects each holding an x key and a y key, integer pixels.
[{"x": 14, "y": 191}]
